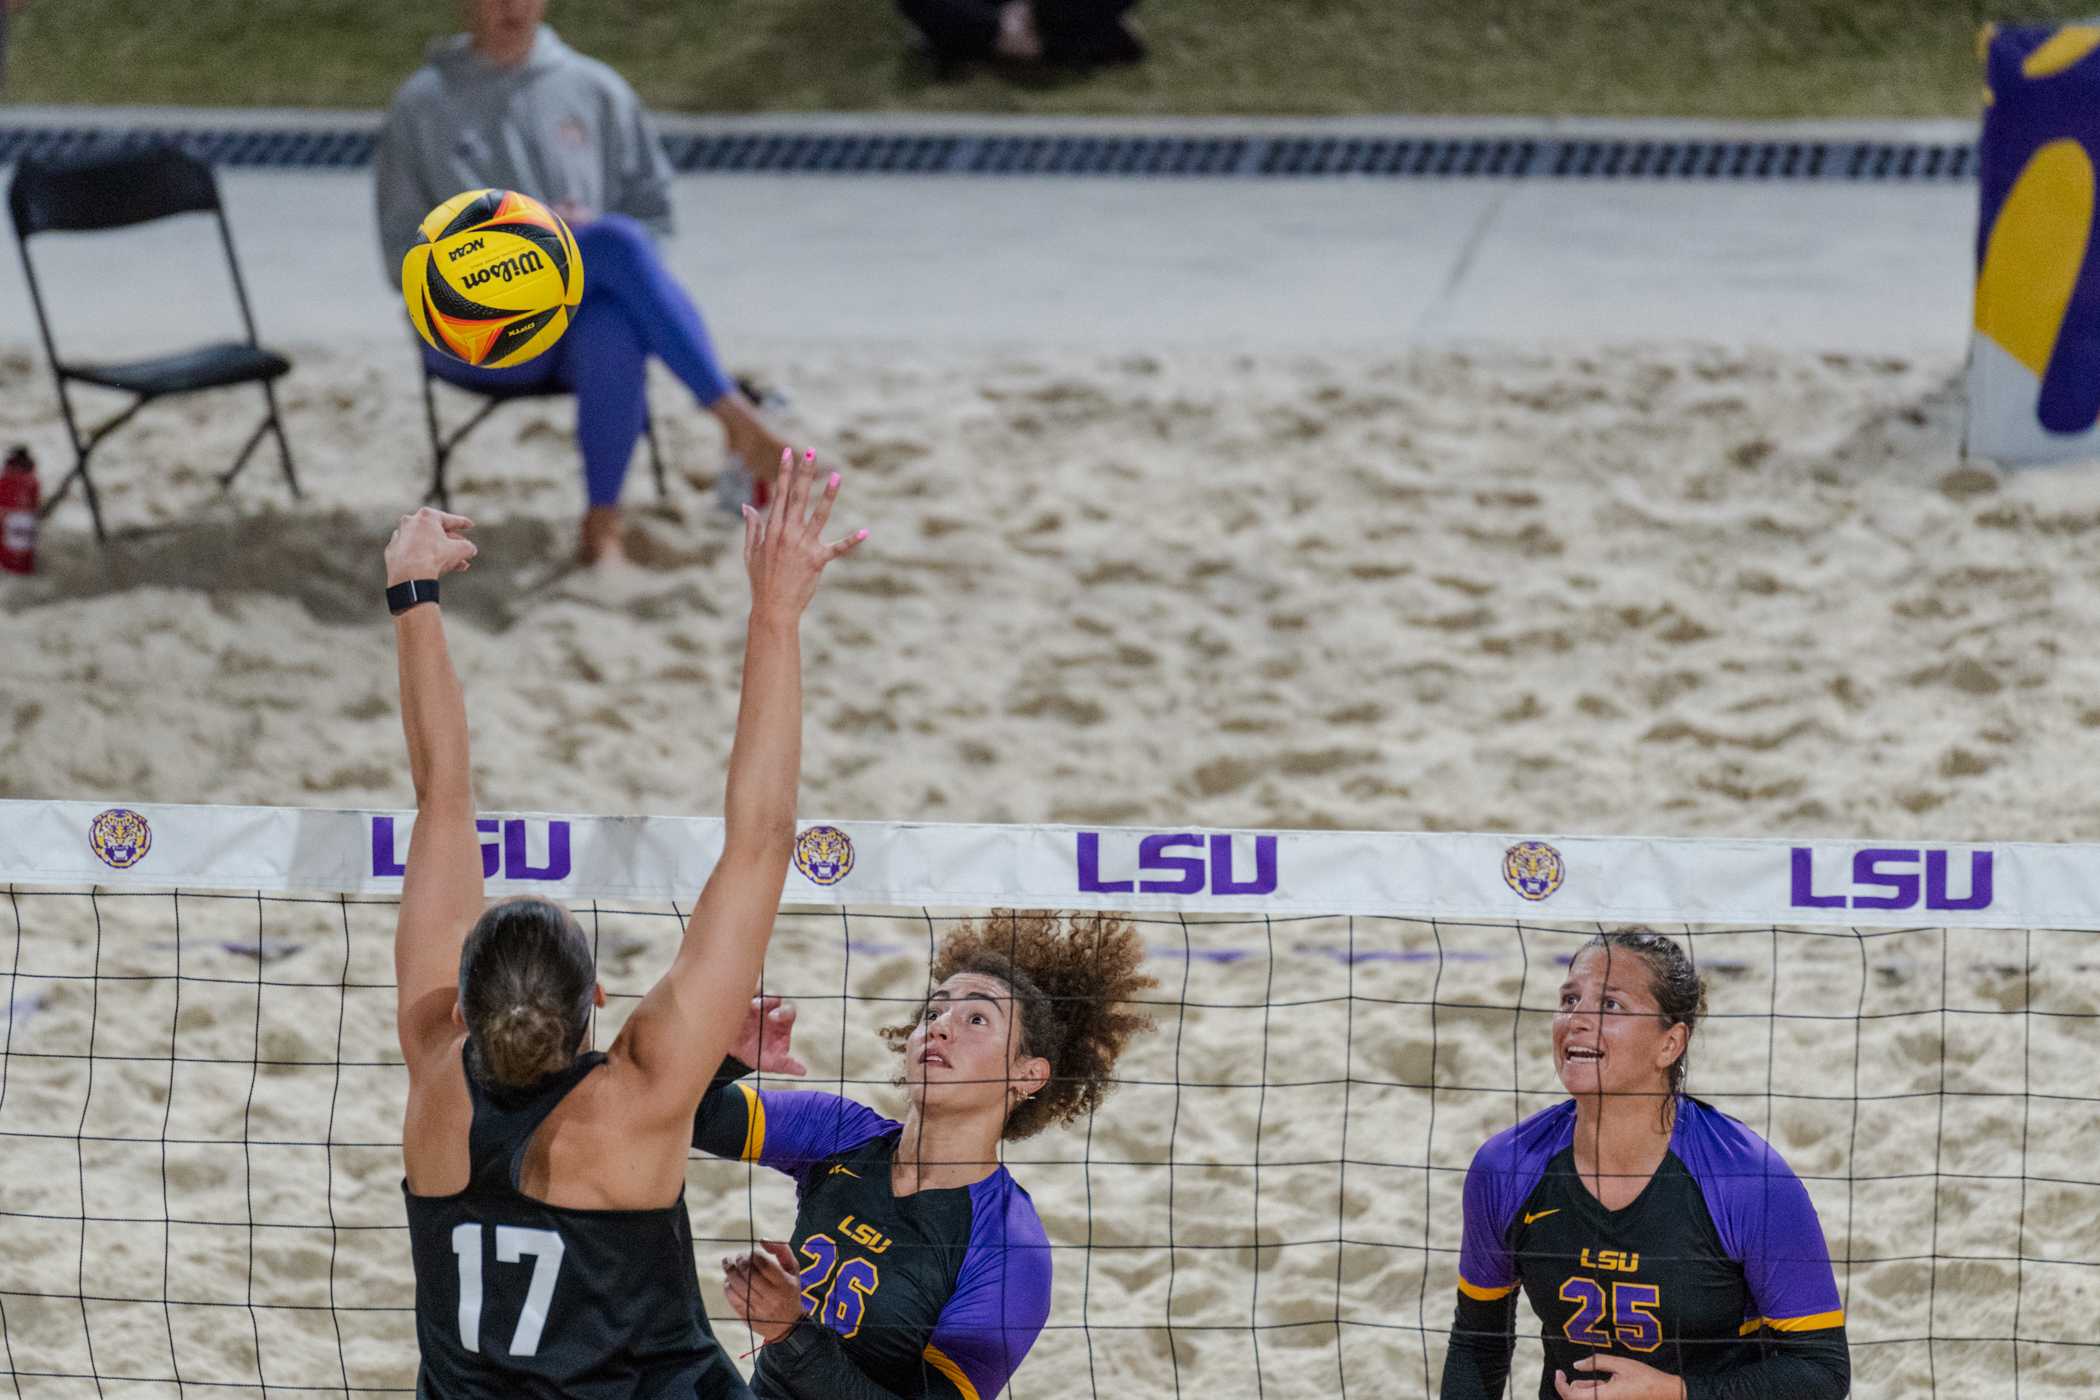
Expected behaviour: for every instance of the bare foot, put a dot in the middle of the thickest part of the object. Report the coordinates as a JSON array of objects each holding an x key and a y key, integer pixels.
[
  {"x": 600, "y": 547},
  {"x": 751, "y": 439}
]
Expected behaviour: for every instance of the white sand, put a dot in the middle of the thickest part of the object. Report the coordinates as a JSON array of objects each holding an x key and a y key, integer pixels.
[
  {"x": 1675, "y": 591},
  {"x": 1665, "y": 590}
]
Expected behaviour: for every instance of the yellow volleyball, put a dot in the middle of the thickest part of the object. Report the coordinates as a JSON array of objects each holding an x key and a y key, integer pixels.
[{"x": 493, "y": 278}]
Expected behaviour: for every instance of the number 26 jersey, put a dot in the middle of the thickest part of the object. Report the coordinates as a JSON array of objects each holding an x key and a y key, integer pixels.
[{"x": 935, "y": 1295}]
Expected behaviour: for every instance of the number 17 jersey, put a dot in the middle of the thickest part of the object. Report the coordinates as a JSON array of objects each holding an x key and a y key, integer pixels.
[{"x": 518, "y": 1298}]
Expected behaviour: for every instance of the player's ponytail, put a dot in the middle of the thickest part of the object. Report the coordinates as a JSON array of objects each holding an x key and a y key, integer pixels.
[
  {"x": 1679, "y": 990},
  {"x": 526, "y": 983}
]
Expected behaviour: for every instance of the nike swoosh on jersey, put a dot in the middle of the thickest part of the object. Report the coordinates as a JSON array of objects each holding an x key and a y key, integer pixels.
[
  {"x": 837, "y": 1170},
  {"x": 1529, "y": 1217}
]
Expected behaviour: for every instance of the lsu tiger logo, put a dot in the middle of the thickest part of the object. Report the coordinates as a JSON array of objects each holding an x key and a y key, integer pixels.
[
  {"x": 120, "y": 837},
  {"x": 1533, "y": 869},
  {"x": 824, "y": 854}
]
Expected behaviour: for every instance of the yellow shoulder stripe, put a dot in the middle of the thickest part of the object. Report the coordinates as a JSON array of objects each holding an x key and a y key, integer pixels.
[
  {"x": 1485, "y": 1295},
  {"x": 939, "y": 1360},
  {"x": 1814, "y": 1322},
  {"x": 754, "y": 1123}
]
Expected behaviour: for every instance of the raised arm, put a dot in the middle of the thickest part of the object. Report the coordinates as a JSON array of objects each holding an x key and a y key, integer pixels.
[
  {"x": 680, "y": 1031},
  {"x": 441, "y": 894}
]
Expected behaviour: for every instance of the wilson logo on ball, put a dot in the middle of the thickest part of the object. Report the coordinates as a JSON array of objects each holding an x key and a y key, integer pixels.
[
  {"x": 507, "y": 269},
  {"x": 493, "y": 278}
]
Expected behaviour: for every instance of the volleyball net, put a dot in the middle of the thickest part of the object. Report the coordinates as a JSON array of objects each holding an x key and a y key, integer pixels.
[{"x": 200, "y": 1092}]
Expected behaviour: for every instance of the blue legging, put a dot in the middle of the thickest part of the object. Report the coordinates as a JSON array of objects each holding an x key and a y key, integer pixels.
[{"x": 632, "y": 308}]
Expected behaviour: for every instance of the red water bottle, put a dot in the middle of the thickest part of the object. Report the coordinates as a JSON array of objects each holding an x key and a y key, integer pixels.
[{"x": 18, "y": 502}]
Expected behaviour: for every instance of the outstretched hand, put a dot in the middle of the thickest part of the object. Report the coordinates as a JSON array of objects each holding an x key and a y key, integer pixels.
[
  {"x": 1617, "y": 1378},
  {"x": 784, "y": 548},
  {"x": 764, "y": 1042},
  {"x": 429, "y": 544}
]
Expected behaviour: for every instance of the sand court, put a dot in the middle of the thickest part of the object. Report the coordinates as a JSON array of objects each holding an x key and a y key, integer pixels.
[
  {"x": 1404, "y": 561},
  {"x": 1672, "y": 588}
]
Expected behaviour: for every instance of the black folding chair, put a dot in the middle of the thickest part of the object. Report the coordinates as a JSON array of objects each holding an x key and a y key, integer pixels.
[
  {"x": 116, "y": 191},
  {"x": 442, "y": 443}
]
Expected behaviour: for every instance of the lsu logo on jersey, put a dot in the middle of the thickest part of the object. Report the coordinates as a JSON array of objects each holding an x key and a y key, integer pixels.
[
  {"x": 120, "y": 837},
  {"x": 1533, "y": 869},
  {"x": 824, "y": 854},
  {"x": 864, "y": 1235},
  {"x": 1611, "y": 1261}
]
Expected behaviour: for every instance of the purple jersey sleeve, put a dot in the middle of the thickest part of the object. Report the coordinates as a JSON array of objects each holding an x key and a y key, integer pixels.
[
  {"x": 1503, "y": 1174},
  {"x": 1002, "y": 1295},
  {"x": 1765, "y": 1218},
  {"x": 793, "y": 1130}
]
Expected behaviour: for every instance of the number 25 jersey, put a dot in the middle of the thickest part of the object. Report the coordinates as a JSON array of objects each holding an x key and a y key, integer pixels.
[{"x": 1717, "y": 1271}]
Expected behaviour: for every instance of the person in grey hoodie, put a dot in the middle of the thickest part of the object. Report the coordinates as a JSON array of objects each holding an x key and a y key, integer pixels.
[{"x": 509, "y": 105}]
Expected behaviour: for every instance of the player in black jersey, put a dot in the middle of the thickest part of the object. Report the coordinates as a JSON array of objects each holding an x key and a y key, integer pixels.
[
  {"x": 918, "y": 1266},
  {"x": 546, "y": 1181},
  {"x": 1667, "y": 1249}
]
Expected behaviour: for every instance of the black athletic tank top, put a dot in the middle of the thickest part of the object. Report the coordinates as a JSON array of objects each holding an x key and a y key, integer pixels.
[{"x": 515, "y": 1297}]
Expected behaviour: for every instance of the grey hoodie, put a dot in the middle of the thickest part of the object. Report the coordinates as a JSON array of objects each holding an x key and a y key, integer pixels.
[{"x": 559, "y": 127}]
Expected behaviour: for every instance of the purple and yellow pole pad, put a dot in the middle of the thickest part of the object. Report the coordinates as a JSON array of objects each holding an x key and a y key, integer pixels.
[{"x": 2034, "y": 366}]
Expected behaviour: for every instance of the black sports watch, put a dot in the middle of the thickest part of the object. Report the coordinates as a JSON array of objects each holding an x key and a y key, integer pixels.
[
  {"x": 801, "y": 1340},
  {"x": 403, "y": 596}
]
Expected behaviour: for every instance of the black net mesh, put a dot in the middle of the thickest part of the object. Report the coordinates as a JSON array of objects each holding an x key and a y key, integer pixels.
[{"x": 200, "y": 1113}]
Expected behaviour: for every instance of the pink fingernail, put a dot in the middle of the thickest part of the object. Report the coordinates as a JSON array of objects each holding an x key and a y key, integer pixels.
[
  {"x": 860, "y": 535},
  {"x": 810, "y": 456},
  {"x": 834, "y": 482},
  {"x": 787, "y": 455}
]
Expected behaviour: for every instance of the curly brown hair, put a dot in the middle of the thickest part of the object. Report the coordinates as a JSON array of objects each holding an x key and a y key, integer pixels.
[{"x": 1073, "y": 977}]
